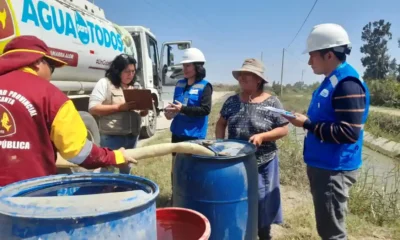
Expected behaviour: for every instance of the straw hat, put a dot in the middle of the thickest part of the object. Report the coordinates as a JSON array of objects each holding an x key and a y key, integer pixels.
[{"x": 251, "y": 65}]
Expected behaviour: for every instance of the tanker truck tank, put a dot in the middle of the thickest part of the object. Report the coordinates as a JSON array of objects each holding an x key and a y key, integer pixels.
[{"x": 76, "y": 32}]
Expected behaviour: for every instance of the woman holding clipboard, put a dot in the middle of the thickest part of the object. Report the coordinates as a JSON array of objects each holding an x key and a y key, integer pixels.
[
  {"x": 119, "y": 124},
  {"x": 192, "y": 100}
]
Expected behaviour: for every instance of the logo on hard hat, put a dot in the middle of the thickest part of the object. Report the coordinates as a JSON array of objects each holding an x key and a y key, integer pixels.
[
  {"x": 7, "y": 122},
  {"x": 7, "y": 29}
]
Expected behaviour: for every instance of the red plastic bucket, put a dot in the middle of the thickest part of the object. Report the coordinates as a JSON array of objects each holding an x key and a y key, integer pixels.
[{"x": 182, "y": 224}]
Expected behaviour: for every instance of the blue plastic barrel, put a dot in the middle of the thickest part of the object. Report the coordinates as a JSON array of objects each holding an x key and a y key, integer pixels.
[
  {"x": 223, "y": 188},
  {"x": 79, "y": 206}
]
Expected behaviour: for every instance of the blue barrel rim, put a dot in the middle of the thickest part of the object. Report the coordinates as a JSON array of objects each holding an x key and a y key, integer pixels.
[
  {"x": 11, "y": 209},
  {"x": 210, "y": 158}
]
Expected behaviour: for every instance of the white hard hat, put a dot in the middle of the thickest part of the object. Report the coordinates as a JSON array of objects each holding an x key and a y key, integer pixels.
[
  {"x": 327, "y": 35},
  {"x": 193, "y": 55}
]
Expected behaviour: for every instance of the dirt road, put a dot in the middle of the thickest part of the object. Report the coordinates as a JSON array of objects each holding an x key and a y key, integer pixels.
[
  {"x": 391, "y": 111},
  {"x": 163, "y": 123}
]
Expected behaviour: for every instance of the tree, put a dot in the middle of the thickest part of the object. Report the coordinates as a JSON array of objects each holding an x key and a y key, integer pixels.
[
  {"x": 398, "y": 70},
  {"x": 376, "y": 35},
  {"x": 314, "y": 86},
  {"x": 393, "y": 69},
  {"x": 276, "y": 87},
  {"x": 398, "y": 67},
  {"x": 299, "y": 85}
]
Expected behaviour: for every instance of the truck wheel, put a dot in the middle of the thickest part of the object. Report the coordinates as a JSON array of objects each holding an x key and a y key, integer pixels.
[
  {"x": 92, "y": 128},
  {"x": 150, "y": 130}
]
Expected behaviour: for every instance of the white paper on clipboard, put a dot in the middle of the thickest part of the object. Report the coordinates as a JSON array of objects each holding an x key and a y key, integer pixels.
[{"x": 280, "y": 111}]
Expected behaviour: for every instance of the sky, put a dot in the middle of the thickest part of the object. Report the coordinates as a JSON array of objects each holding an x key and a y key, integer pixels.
[{"x": 227, "y": 32}]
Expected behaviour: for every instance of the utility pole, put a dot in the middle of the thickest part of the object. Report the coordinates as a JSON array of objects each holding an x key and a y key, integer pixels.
[
  {"x": 261, "y": 56},
  {"x": 283, "y": 60},
  {"x": 302, "y": 73}
]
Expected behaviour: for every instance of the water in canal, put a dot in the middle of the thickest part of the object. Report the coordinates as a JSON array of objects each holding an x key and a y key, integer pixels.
[{"x": 385, "y": 170}]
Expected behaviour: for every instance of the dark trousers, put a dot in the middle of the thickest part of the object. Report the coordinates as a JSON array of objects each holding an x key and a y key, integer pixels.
[
  {"x": 330, "y": 192},
  {"x": 269, "y": 198}
]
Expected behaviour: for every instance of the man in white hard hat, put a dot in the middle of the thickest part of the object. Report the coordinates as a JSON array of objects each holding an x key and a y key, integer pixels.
[
  {"x": 335, "y": 128},
  {"x": 192, "y": 100}
]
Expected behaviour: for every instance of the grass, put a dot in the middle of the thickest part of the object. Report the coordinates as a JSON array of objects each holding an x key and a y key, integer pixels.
[
  {"x": 159, "y": 169},
  {"x": 384, "y": 125},
  {"x": 373, "y": 205},
  {"x": 374, "y": 211},
  {"x": 377, "y": 198},
  {"x": 297, "y": 103},
  {"x": 225, "y": 87},
  {"x": 374, "y": 200},
  {"x": 378, "y": 124}
]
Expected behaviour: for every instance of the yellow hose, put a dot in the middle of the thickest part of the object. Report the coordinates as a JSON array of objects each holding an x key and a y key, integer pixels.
[{"x": 152, "y": 151}]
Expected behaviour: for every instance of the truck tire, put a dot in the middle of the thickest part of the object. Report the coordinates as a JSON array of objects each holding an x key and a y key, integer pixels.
[
  {"x": 150, "y": 130},
  {"x": 92, "y": 128}
]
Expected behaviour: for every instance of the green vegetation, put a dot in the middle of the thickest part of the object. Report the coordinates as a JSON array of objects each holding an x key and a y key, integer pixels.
[
  {"x": 219, "y": 87},
  {"x": 382, "y": 73},
  {"x": 384, "y": 125},
  {"x": 373, "y": 205},
  {"x": 296, "y": 103},
  {"x": 374, "y": 201},
  {"x": 374, "y": 211},
  {"x": 376, "y": 60},
  {"x": 385, "y": 92}
]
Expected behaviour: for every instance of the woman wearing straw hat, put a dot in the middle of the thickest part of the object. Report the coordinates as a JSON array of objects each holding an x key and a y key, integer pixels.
[{"x": 246, "y": 119}]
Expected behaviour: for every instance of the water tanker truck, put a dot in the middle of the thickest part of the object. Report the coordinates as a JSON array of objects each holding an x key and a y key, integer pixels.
[{"x": 78, "y": 32}]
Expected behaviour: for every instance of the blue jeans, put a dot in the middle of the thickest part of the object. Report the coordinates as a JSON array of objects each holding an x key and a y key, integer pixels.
[{"x": 116, "y": 142}]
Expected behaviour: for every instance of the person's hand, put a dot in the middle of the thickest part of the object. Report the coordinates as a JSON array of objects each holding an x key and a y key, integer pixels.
[
  {"x": 256, "y": 139},
  {"x": 144, "y": 113},
  {"x": 298, "y": 121},
  {"x": 124, "y": 107},
  {"x": 128, "y": 159},
  {"x": 169, "y": 115},
  {"x": 174, "y": 108}
]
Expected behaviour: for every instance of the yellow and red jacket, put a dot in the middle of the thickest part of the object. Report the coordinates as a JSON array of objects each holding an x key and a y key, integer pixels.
[{"x": 36, "y": 121}]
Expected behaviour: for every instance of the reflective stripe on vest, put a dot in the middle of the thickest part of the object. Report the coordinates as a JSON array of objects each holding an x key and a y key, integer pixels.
[
  {"x": 83, "y": 154},
  {"x": 183, "y": 125},
  {"x": 333, "y": 156}
]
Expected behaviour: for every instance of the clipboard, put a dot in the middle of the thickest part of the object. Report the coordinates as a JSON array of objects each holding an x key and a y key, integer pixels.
[
  {"x": 281, "y": 111},
  {"x": 142, "y": 97}
]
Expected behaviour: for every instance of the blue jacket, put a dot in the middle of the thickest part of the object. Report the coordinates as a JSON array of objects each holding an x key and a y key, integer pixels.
[
  {"x": 332, "y": 156},
  {"x": 183, "y": 125}
]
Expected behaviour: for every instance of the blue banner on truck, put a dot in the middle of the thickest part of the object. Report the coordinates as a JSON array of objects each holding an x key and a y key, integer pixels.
[{"x": 51, "y": 18}]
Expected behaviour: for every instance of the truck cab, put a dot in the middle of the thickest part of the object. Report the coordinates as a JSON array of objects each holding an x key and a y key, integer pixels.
[{"x": 155, "y": 71}]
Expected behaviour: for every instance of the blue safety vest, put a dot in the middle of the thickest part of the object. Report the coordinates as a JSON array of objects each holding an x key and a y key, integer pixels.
[
  {"x": 183, "y": 125},
  {"x": 333, "y": 156}
]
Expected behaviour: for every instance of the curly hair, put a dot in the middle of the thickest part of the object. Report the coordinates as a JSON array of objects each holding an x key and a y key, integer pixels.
[{"x": 118, "y": 65}]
